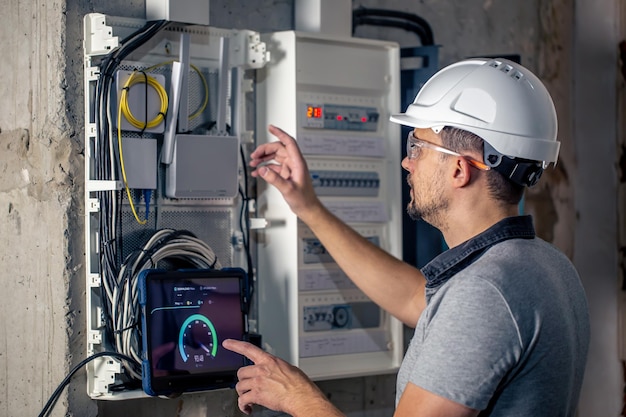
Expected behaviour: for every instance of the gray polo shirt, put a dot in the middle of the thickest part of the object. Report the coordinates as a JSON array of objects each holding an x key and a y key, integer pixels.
[{"x": 506, "y": 327}]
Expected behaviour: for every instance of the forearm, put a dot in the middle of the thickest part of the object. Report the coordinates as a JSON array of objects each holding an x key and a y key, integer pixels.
[
  {"x": 391, "y": 283},
  {"x": 318, "y": 407}
]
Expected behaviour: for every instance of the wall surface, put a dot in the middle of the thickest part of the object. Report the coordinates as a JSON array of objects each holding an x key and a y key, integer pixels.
[
  {"x": 41, "y": 163},
  {"x": 40, "y": 171},
  {"x": 596, "y": 37}
]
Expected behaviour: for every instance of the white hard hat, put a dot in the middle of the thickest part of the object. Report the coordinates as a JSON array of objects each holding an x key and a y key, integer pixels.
[{"x": 500, "y": 101}]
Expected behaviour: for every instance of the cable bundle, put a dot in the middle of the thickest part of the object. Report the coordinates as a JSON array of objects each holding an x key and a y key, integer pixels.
[
  {"x": 166, "y": 248},
  {"x": 104, "y": 160}
]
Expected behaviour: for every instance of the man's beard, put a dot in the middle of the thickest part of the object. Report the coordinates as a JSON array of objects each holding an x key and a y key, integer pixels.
[{"x": 430, "y": 211}]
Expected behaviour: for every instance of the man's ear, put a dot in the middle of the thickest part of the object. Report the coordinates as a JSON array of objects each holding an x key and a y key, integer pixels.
[{"x": 462, "y": 174}]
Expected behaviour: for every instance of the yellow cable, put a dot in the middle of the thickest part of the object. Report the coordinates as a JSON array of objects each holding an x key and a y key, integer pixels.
[
  {"x": 119, "y": 144},
  {"x": 204, "y": 84},
  {"x": 206, "y": 93},
  {"x": 160, "y": 117},
  {"x": 125, "y": 109}
]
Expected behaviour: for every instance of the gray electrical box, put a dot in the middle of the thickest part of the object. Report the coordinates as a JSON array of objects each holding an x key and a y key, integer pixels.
[
  {"x": 195, "y": 12},
  {"x": 203, "y": 167},
  {"x": 140, "y": 162}
]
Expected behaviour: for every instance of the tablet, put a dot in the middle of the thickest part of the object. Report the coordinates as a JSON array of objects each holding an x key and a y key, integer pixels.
[{"x": 186, "y": 316}]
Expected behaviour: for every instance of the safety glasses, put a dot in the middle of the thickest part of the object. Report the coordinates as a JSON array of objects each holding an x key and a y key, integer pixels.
[{"x": 415, "y": 145}]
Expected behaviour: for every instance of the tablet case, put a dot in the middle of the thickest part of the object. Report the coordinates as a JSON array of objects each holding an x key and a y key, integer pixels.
[{"x": 186, "y": 314}]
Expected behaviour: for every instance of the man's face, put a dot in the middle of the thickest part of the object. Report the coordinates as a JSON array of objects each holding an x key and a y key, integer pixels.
[{"x": 426, "y": 181}]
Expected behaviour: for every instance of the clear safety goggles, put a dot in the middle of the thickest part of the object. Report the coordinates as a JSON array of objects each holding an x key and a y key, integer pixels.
[{"x": 415, "y": 145}]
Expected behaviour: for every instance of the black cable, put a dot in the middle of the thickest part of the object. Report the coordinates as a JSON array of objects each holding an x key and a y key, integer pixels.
[
  {"x": 57, "y": 392},
  {"x": 107, "y": 68},
  {"x": 394, "y": 23},
  {"x": 145, "y": 107},
  {"x": 244, "y": 224},
  {"x": 418, "y": 24},
  {"x": 362, "y": 11},
  {"x": 110, "y": 218},
  {"x": 245, "y": 230}
]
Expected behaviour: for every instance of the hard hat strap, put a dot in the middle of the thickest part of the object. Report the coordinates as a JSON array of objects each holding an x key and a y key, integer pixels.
[{"x": 521, "y": 172}]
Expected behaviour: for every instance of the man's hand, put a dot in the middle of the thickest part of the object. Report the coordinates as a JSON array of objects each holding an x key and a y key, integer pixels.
[
  {"x": 273, "y": 383},
  {"x": 282, "y": 165}
]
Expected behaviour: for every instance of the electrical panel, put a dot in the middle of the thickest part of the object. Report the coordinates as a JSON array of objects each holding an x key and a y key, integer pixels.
[
  {"x": 165, "y": 133},
  {"x": 334, "y": 95}
]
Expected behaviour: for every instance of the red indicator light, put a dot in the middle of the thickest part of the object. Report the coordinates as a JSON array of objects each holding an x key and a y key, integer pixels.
[
  {"x": 364, "y": 119},
  {"x": 339, "y": 117}
]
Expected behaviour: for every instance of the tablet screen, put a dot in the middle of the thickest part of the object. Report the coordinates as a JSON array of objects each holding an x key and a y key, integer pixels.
[{"x": 187, "y": 316}]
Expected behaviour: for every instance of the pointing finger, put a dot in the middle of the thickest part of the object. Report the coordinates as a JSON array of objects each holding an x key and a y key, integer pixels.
[{"x": 246, "y": 349}]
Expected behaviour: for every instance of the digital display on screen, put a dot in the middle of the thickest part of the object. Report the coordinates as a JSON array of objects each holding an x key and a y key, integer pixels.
[{"x": 187, "y": 315}]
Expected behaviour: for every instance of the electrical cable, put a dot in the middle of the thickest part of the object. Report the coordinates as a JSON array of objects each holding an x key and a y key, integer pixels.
[
  {"x": 205, "y": 85},
  {"x": 108, "y": 66},
  {"x": 103, "y": 150},
  {"x": 415, "y": 23},
  {"x": 244, "y": 224},
  {"x": 394, "y": 23},
  {"x": 109, "y": 223},
  {"x": 124, "y": 106},
  {"x": 49, "y": 406},
  {"x": 180, "y": 247},
  {"x": 123, "y": 168},
  {"x": 206, "y": 93},
  {"x": 124, "y": 109}
]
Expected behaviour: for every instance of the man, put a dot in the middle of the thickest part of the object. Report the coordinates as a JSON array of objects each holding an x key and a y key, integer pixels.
[{"x": 501, "y": 319}]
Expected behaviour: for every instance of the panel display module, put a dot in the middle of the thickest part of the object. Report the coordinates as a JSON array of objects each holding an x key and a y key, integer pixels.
[{"x": 338, "y": 117}]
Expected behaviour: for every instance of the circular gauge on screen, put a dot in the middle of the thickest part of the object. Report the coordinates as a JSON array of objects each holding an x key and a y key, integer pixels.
[{"x": 197, "y": 339}]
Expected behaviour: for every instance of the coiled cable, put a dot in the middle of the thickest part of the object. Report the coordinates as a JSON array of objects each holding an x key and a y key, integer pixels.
[
  {"x": 148, "y": 80},
  {"x": 178, "y": 247}
]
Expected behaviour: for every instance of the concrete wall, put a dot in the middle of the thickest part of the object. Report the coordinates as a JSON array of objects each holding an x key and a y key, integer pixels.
[
  {"x": 40, "y": 196},
  {"x": 595, "y": 130},
  {"x": 570, "y": 43}
]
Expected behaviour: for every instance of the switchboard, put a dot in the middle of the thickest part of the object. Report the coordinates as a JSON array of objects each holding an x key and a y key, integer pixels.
[{"x": 334, "y": 95}]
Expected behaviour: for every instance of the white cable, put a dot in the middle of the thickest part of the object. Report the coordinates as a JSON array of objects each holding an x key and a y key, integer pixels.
[{"x": 125, "y": 315}]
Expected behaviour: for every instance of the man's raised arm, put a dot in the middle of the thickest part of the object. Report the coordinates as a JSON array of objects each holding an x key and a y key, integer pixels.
[{"x": 391, "y": 283}]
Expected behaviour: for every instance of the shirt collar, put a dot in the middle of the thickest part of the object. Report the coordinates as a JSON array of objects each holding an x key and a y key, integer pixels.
[{"x": 447, "y": 264}]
